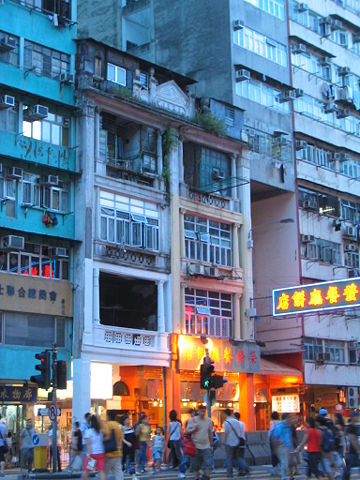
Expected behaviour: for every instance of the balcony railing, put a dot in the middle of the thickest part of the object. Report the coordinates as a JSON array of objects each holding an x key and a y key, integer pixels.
[{"x": 214, "y": 326}]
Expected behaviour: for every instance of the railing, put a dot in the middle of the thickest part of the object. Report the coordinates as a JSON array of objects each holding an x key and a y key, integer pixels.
[
  {"x": 62, "y": 8},
  {"x": 213, "y": 326}
]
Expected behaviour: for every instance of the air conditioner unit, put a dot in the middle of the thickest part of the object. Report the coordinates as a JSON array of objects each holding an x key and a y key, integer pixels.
[
  {"x": 322, "y": 357},
  {"x": 218, "y": 174},
  {"x": 307, "y": 238},
  {"x": 349, "y": 231},
  {"x": 336, "y": 24},
  {"x": 242, "y": 75},
  {"x": 330, "y": 107},
  {"x": 68, "y": 78},
  {"x": 7, "y": 43},
  {"x": 53, "y": 180},
  {"x": 299, "y": 92},
  {"x": 343, "y": 113},
  {"x": 211, "y": 271},
  {"x": 356, "y": 38},
  {"x": 12, "y": 242},
  {"x": 195, "y": 269},
  {"x": 352, "y": 397},
  {"x": 351, "y": 248},
  {"x": 59, "y": 252},
  {"x": 300, "y": 144},
  {"x": 238, "y": 24},
  {"x": 325, "y": 61},
  {"x": 14, "y": 172},
  {"x": 344, "y": 71},
  {"x": 343, "y": 94},
  {"x": 298, "y": 48},
  {"x": 302, "y": 7},
  {"x": 342, "y": 157},
  {"x": 286, "y": 96},
  {"x": 251, "y": 132},
  {"x": 7, "y": 101},
  {"x": 36, "y": 112}
]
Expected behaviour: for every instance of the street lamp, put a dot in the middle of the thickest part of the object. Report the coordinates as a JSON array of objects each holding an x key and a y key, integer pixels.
[{"x": 282, "y": 221}]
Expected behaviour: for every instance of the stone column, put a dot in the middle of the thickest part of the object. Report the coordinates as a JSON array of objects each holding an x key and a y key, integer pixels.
[
  {"x": 160, "y": 307},
  {"x": 159, "y": 151},
  {"x": 234, "y": 193},
  {"x": 236, "y": 317},
  {"x": 81, "y": 385},
  {"x": 182, "y": 234},
  {"x": 182, "y": 307},
  {"x": 96, "y": 296},
  {"x": 235, "y": 244},
  {"x": 181, "y": 159},
  {"x": 21, "y": 52}
]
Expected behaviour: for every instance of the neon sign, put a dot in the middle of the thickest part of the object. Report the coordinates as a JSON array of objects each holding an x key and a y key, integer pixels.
[{"x": 316, "y": 297}]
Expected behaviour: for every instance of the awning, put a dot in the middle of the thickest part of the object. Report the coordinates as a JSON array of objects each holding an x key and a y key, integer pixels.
[{"x": 268, "y": 367}]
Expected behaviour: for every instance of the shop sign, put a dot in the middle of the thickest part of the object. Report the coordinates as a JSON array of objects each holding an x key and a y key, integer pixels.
[
  {"x": 286, "y": 403},
  {"x": 18, "y": 394},
  {"x": 19, "y": 293},
  {"x": 317, "y": 297},
  {"x": 242, "y": 357}
]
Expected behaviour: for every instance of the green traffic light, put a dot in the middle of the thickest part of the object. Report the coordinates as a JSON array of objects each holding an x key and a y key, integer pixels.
[{"x": 207, "y": 383}]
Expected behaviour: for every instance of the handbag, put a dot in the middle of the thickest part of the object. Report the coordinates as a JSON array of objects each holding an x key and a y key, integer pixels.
[
  {"x": 240, "y": 439},
  {"x": 111, "y": 444},
  {"x": 188, "y": 445}
]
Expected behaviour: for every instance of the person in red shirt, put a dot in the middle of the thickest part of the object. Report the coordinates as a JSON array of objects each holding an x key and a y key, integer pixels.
[{"x": 312, "y": 439}]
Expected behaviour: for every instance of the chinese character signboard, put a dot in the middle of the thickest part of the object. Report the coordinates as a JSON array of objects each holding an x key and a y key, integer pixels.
[
  {"x": 240, "y": 357},
  {"x": 317, "y": 296},
  {"x": 21, "y": 293},
  {"x": 286, "y": 403},
  {"x": 18, "y": 394}
]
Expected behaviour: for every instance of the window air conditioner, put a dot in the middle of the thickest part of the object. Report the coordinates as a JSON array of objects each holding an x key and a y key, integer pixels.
[
  {"x": 322, "y": 357},
  {"x": 352, "y": 397},
  {"x": 302, "y": 7},
  {"x": 7, "y": 43},
  {"x": 59, "y": 252},
  {"x": 14, "y": 172},
  {"x": 330, "y": 107},
  {"x": 238, "y": 24},
  {"x": 300, "y": 144},
  {"x": 68, "y": 78},
  {"x": 344, "y": 95},
  {"x": 286, "y": 96},
  {"x": 298, "y": 48},
  {"x": 211, "y": 271},
  {"x": 343, "y": 113},
  {"x": 7, "y": 101},
  {"x": 36, "y": 112},
  {"x": 349, "y": 231},
  {"x": 299, "y": 92},
  {"x": 344, "y": 71},
  {"x": 195, "y": 269},
  {"x": 351, "y": 248},
  {"x": 53, "y": 180},
  {"x": 242, "y": 75},
  {"x": 336, "y": 24},
  {"x": 12, "y": 242},
  {"x": 342, "y": 157}
]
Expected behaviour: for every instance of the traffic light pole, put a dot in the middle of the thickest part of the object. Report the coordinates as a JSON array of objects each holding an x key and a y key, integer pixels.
[
  {"x": 207, "y": 361},
  {"x": 54, "y": 423}
]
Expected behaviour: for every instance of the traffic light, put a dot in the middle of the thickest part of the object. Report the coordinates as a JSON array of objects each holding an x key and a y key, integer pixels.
[
  {"x": 43, "y": 380},
  {"x": 217, "y": 381},
  {"x": 206, "y": 370},
  {"x": 61, "y": 375}
]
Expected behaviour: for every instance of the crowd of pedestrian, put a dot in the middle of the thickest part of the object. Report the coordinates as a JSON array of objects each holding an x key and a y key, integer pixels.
[{"x": 330, "y": 449}]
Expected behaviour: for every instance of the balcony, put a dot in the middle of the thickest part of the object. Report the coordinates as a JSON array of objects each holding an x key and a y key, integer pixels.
[{"x": 37, "y": 151}]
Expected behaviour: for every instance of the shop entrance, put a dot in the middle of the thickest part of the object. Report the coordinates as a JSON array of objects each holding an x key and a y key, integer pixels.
[{"x": 14, "y": 416}]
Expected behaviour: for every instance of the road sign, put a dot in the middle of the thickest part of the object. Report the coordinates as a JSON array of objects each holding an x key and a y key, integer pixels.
[
  {"x": 43, "y": 412},
  {"x": 54, "y": 412},
  {"x": 35, "y": 439}
]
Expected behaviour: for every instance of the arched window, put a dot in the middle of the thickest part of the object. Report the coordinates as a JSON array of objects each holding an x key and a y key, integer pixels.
[{"x": 120, "y": 388}]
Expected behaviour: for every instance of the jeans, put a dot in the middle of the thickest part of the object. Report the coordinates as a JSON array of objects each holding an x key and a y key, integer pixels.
[
  {"x": 202, "y": 461},
  {"x": 241, "y": 460},
  {"x": 231, "y": 454},
  {"x": 114, "y": 465},
  {"x": 313, "y": 461},
  {"x": 282, "y": 453},
  {"x": 27, "y": 458},
  {"x": 175, "y": 452},
  {"x": 142, "y": 455},
  {"x": 351, "y": 461},
  {"x": 129, "y": 460},
  {"x": 185, "y": 462}
]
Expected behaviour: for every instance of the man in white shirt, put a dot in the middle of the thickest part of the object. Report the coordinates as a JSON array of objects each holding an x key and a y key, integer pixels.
[
  {"x": 235, "y": 444},
  {"x": 201, "y": 429},
  {"x": 243, "y": 468}
]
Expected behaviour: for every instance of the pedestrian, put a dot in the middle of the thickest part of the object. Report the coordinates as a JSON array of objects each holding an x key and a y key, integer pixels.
[
  {"x": 95, "y": 451},
  {"x": 58, "y": 447},
  {"x": 243, "y": 468},
  {"x": 76, "y": 453},
  {"x": 339, "y": 454},
  {"x": 216, "y": 444},
  {"x": 186, "y": 459},
  {"x": 84, "y": 426},
  {"x": 129, "y": 446},
  {"x": 353, "y": 450},
  {"x": 143, "y": 431},
  {"x": 26, "y": 446},
  {"x": 327, "y": 446},
  {"x": 9, "y": 454},
  {"x": 232, "y": 430},
  {"x": 157, "y": 448},
  {"x": 283, "y": 442},
  {"x": 294, "y": 460},
  {"x": 113, "y": 437},
  {"x": 174, "y": 432},
  {"x": 275, "y": 420},
  {"x": 201, "y": 433},
  {"x": 3, "y": 447},
  {"x": 312, "y": 439}
]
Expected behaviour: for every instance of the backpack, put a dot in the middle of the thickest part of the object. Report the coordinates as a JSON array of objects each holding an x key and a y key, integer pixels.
[
  {"x": 327, "y": 441},
  {"x": 336, "y": 434}
]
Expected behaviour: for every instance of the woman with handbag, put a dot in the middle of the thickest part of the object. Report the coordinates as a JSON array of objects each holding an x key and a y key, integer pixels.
[
  {"x": 174, "y": 432},
  {"x": 95, "y": 451}
]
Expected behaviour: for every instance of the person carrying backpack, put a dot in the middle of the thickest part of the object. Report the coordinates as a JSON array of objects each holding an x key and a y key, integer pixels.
[{"x": 327, "y": 446}]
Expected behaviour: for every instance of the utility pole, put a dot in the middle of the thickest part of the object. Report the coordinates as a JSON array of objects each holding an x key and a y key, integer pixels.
[
  {"x": 54, "y": 423},
  {"x": 208, "y": 372}
]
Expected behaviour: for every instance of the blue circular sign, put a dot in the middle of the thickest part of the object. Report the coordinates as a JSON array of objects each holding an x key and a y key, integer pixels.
[{"x": 35, "y": 439}]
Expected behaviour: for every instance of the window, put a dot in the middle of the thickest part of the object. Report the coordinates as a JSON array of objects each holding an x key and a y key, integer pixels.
[
  {"x": 312, "y": 347},
  {"x": 127, "y": 221},
  {"x": 336, "y": 350},
  {"x": 60, "y": 7},
  {"x": 321, "y": 251},
  {"x": 10, "y": 54},
  {"x": 53, "y": 129},
  {"x": 45, "y": 61},
  {"x": 350, "y": 211},
  {"x": 116, "y": 74},
  {"x": 261, "y": 93},
  {"x": 208, "y": 313},
  {"x": 354, "y": 352},
  {"x": 33, "y": 330},
  {"x": 310, "y": 63},
  {"x": 352, "y": 258},
  {"x": 273, "y": 7},
  {"x": 340, "y": 37},
  {"x": 351, "y": 168},
  {"x": 207, "y": 240},
  {"x": 55, "y": 198},
  {"x": 323, "y": 203},
  {"x": 261, "y": 45},
  {"x": 307, "y": 18},
  {"x": 9, "y": 119},
  {"x": 36, "y": 261}
]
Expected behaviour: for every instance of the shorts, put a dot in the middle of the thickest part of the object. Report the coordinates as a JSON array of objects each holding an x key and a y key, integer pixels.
[
  {"x": 100, "y": 462},
  {"x": 201, "y": 460},
  {"x": 326, "y": 464},
  {"x": 156, "y": 454}
]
